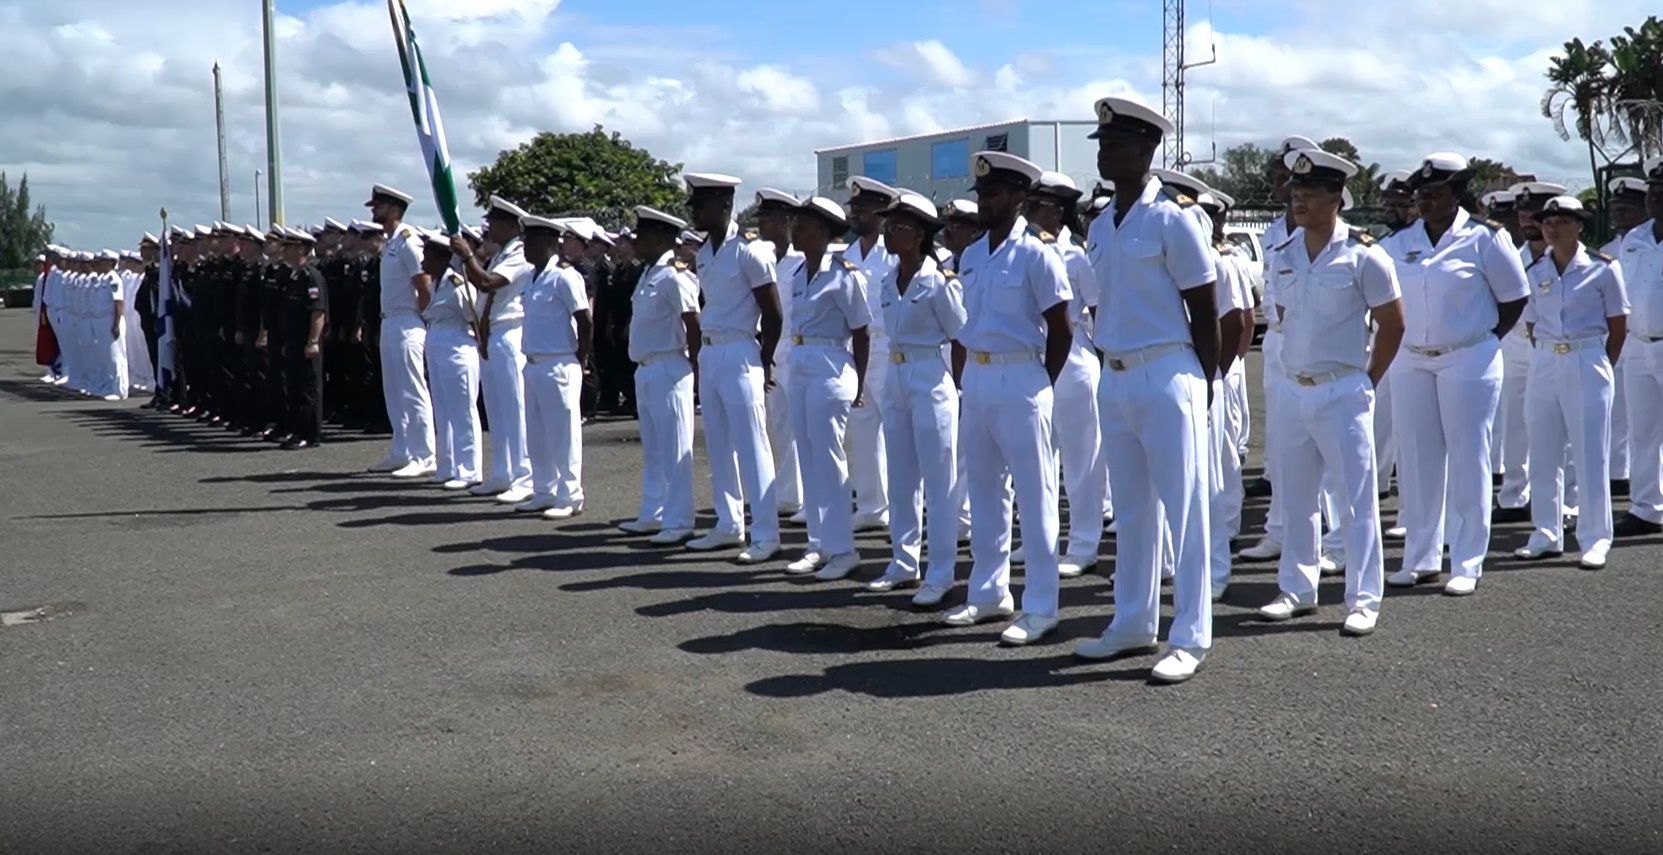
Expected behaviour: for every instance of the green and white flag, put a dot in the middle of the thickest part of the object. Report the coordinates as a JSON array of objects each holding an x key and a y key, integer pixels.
[{"x": 424, "y": 108}]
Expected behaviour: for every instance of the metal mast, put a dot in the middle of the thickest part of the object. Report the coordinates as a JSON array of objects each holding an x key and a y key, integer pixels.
[
  {"x": 1173, "y": 155},
  {"x": 274, "y": 145},
  {"x": 219, "y": 130}
]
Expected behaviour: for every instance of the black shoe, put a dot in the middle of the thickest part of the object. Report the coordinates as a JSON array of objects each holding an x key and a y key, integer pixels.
[
  {"x": 1510, "y": 515},
  {"x": 1632, "y": 526},
  {"x": 249, "y": 431},
  {"x": 1259, "y": 489},
  {"x": 1495, "y": 480},
  {"x": 299, "y": 445},
  {"x": 1619, "y": 488}
]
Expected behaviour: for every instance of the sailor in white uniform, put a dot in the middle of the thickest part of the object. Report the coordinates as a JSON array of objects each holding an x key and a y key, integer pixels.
[
  {"x": 1625, "y": 209},
  {"x": 867, "y": 461},
  {"x": 774, "y": 210},
  {"x": 1641, "y": 257}
]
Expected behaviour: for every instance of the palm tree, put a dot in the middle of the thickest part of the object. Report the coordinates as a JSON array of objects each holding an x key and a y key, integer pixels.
[
  {"x": 1581, "y": 85},
  {"x": 1636, "y": 86}
]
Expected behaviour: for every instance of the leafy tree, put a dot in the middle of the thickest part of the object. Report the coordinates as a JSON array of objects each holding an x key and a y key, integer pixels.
[
  {"x": 1243, "y": 173},
  {"x": 1610, "y": 94},
  {"x": 595, "y": 174},
  {"x": 24, "y": 230},
  {"x": 1365, "y": 185},
  {"x": 1490, "y": 175}
]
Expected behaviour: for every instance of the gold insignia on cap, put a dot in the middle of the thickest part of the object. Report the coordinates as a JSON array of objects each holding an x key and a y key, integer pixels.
[
  {"x": 1302, "y": 165},
  {"x": 983, "y": 167},
  {"x": 1105, "y": 112}
]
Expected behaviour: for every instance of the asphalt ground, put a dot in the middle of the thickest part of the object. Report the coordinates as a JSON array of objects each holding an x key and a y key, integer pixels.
[{"x": 215, "y": 645}]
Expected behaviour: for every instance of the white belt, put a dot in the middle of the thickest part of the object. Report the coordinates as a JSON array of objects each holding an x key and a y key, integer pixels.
[
  {"x": 1126, "y": 361},
  {"x": 1648, "y": 339},
  {"x": 539, "y": 358},
  {"x": 664, "y": 356},
  {"x": 1443, "y": 349},
  {"x": 1317, "y": 378},
  {"x": 1010, "y": 357},
  {"x": 714, "y": 339},
  {"x": 1563, "y": 347},
  {"x": 915, "y": 354},
  {"x": 1275, "y": 328},
  {"x": 822, "y": 340}
]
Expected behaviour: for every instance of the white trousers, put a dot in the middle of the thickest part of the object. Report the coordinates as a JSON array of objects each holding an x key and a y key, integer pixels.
[
  {"x": 664, "y": 407},
  {"x": 1443, "y": 411},
  {"x": 822, "y": 389},
  {"x": 1234, "y": 416},
  {"x": 867, "y": 471},
  {"x": 781, "y": 441},
  {"x": 503, "y": 375},
  {"x": 1385, "y": 441},
  {"x": 1076, "y": 435},
  {"x": 453, "y": 371},
  {"x": 1225, "y": 493},
  {"x": 1644, "y": 381},
  {"x": 1155, "y": 438},
  {"x": 1513, "y": 447},
  {"x": 921, "y": 426},
  {"x": 1238, "y": 415},
  {"x": 1006, "y": 431},
  {"x": 404, "y": 385},
  {"x": 1570, "y": 398},
  {"x": 1620, "y": 450},
  {"x": 736, "y": 441},
  {"x": 113, "y": 359},
  {"x": 140, "y": 373},
  {"x": 1321, "y": 430},
  {"x": 554, "y": 428},
  {"x": 1275, "y": 386}
]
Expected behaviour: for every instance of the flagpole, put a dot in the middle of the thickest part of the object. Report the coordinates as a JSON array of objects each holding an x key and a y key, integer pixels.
[{"x": 274, "y": 146}]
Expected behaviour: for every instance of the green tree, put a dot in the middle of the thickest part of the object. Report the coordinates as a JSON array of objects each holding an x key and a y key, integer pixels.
[
  {"x": 1490, "y": 175},
  {"x": 1365, "y": 185},
  {"x": 24, "y": 229},
  {"x": 1243, "y": 172},
  {"x": 1609, "y": 95},
  {"x": 595, "y": 174},
  {"x": 1635, "y": 86}
]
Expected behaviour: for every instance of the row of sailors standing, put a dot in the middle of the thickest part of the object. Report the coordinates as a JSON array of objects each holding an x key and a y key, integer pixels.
[{"x": 87, "y": 299}]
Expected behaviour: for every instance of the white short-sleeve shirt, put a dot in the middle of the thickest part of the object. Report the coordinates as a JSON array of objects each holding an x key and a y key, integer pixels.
[
  {"x": 831, "y": 302},
  {"x": 728, "y": 275},
  {"x": 1143, "y": 265},
  {"x": 401, "y": 262},
  {"x": 929, "y": 314},
  {"x": 1325, "y": 301},
  {"x": 665, "y": 292},
  {"x": 1082, "y": 284},
  {"x": 1575, "y": 304},
  {"x": 455, "y": 302},
  {"x": 876, "y": 266},
  {"x": 553, "y": 297},
  {"x": 507, "y": 302},
  {"x": 1451, "y": 289},
  {"x": 784, "y": 268},
  {"x": 1007, "y": 290},
  {"x": 1274, "y": 237},
  {"x": 1641, "y": 257}
]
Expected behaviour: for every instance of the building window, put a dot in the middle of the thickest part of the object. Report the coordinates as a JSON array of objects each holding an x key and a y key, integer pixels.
[
  {"x": 840, "y": 170},
  {"x": 999, "y": 142},
  {"x": 950, "y": 159},
  {"x": 880, "y": 166}
]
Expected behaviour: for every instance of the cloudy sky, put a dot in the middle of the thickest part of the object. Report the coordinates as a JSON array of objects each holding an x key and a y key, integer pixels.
[{"x": 108, "y": 105}]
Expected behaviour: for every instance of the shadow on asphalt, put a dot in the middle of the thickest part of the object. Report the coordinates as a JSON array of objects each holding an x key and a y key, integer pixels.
[{"x": 937, "y": 677}]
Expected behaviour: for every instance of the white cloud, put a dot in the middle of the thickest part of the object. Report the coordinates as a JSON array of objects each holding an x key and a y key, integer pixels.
[{"x": 929, "y": 60}]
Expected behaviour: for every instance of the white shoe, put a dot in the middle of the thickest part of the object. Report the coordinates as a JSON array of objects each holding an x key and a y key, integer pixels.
[
  {"x": 1019, "y": 556},
  {"x": 1537, "y": 548},
  {"x": 388, "y": 464},
  {"x": 456, "y": 484},
  {"x": 1330, "y": 564},
  {"x": 798, "y": 518},
  {"x": 892, "y": 578},
  {"x": 489, "y": 488},
  {"x": 931, "y": 595},
  {"x": 536, "y": 504},
  {"x": 1114, "y": 527},
  {"x": 714, "y": 540},
  {"x": 639, "y": 526},
  {"x": 1396, "y": 532},
  {"x": 1359, "y": 622},
  {"x": 671, "y": 537},
  {"x": 514, "y": 495},
  {"x": 790, "y": 510},
  {"x": 563, "y": 512},
  {"x": 1073, "y": 566},
  {"x": 439, "y": 480},
  {"x": 1593, "y": 558},
  {"x": 1264, "y": 550},
  {"x": 1285, "y": 607},
  {"x": 969, "y": 615},
  {"x": 838, "y": 567},
  {"x": 870, "y": 522},
  {"x": 1460, "y": 586},
  {"x": 1177, "y": 666},
  {"x": 1027, "y": 629},
  {"x": 805, "y": 565},
  {"x": 412, "y": 471},
  {"x": 757, "y": 553},
  {"x": 1407, "y": 578},
  {"x": 112, "y": 397},
  {"x": 1114, "y": 647}
]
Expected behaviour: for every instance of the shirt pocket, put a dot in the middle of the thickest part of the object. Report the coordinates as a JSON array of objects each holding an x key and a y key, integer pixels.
[{"x": 1333, "y": 292}]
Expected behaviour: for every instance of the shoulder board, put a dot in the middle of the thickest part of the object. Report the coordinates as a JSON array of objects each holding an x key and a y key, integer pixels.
[
  {"x": 679, "y": 265},
  {"x": 1492, "y": 225},
  {"x": 1184, "y": 200},
  {"x": 947, "y": 274},
  {"x": 1224, "y": 246},
  {"x": 751, "y": 235},
  {"x": 847, "y": 264},
  {"x": 1363, "y": 237},
  {"x": 1046, "y": 237},
  {"x": 1602, "y": 256}
]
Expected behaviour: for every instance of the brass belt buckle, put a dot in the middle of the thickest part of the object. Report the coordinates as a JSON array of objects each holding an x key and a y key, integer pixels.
[
  {"x": 707, "y": 341},
  {"x": 1561, "y": 348},
  {"x": 897, "y": 358},
  {"x": 796, "y": 339},
  {"x": 1305, "y": 380},
  {"x": 983, "y": 357},
  {"x": 1116, "y": 364}
]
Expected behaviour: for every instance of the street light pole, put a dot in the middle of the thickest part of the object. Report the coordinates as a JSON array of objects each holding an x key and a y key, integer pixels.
[
  {"x": 257, "y": 221},
  {"x": 274, "y": 146}
]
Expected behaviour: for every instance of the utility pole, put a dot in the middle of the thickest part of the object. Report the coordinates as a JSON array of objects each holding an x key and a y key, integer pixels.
[
  {"x": 274, "y": 146},
  {"x": 1172, "y": 81},
  {"x": 257, "y": 221},
  {"x": 219, "y": 130}
]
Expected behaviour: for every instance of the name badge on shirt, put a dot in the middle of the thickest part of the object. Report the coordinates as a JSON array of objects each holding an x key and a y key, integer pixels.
[
  {"x": 1544, "y": 286},
  {"x": 1411, "y": 256}
]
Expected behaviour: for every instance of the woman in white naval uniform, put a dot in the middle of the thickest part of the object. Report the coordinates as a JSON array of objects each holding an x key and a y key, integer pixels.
[
  {"x": 1578, "y": 319},
  {"x": 663, "y": 323},
  {"x": 1074, "y": 423},
  {"x": 504, "y": 279},
  {"x": 774, "y": 210},
  {"x": 829, "y": 317},
  {"x": 1463, "y": 289},
  {"x": 1337, "y": 278},
  {"x": 453, "y": 366},
  {"x": 923, "y": 311},
  {"x": 558, "y": 332},
  {"x": 1642, "y": 261}
]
